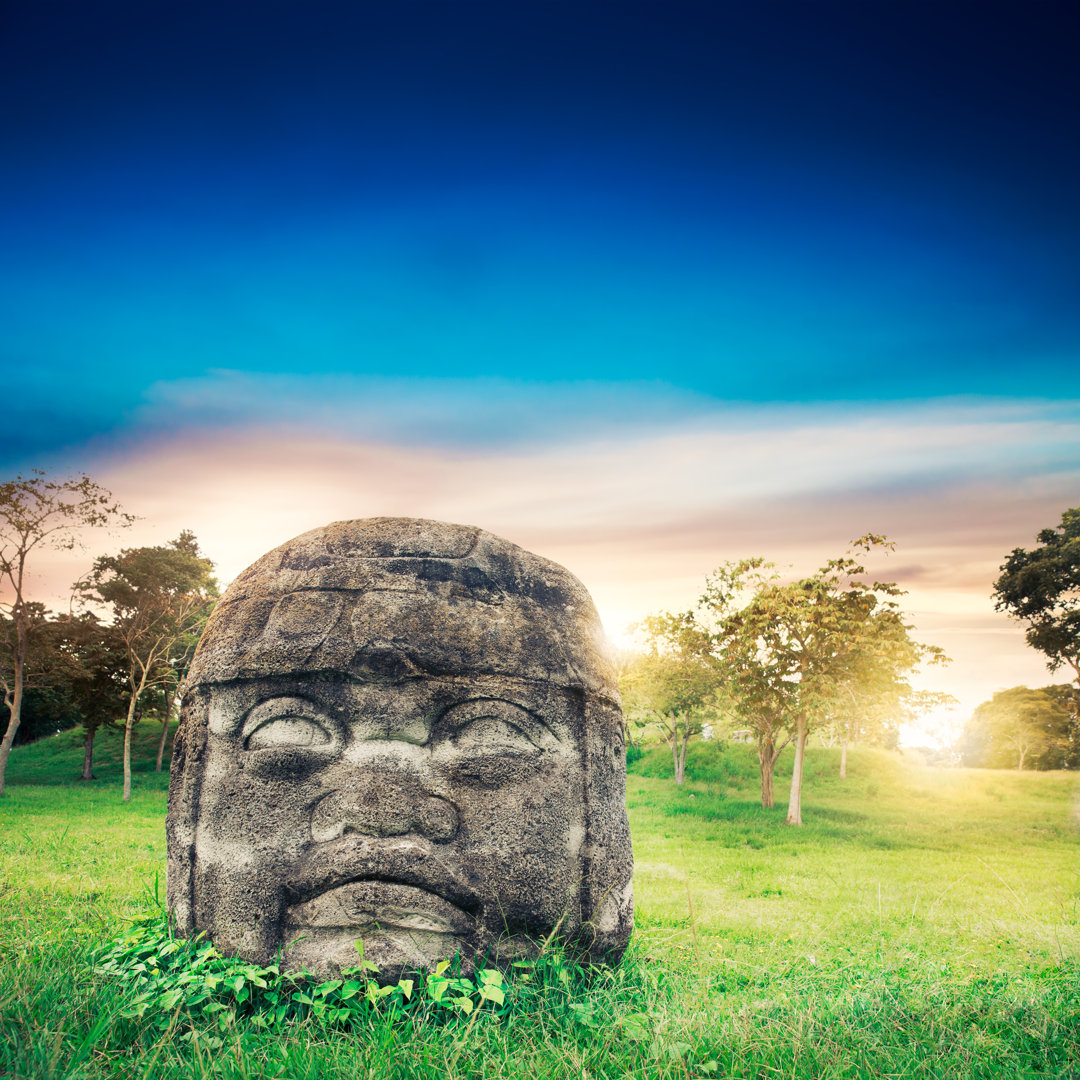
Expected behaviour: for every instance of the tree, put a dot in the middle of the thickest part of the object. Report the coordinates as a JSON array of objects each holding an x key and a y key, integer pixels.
[
  {"x": 761, "y": 703},
  {"x": 96, "y": 676},
  {"x": 174, "y": 667},
  {"x": 75, "y": 675},
  {"x": 36, "y": 512},
  {"x": 672, "y": 685},
  {"x": 797, "y": 648},
  {"x": 160, "y": 597},
  {"x": 1041, "y": 588},
  {"x": 1039, "y": 728},
  {"x": 53, "y": 697},
  {"x": 873, "y": 693},
  {"x": 39, "y": 707},
  {"x": 625, "y": 663},
  {"x": 759, "y": 692}
]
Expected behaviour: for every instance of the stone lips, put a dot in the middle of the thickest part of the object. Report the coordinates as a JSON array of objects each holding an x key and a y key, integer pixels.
[
  {"x": 382, "y": 820},
  {"x": 375, "y": 595}
]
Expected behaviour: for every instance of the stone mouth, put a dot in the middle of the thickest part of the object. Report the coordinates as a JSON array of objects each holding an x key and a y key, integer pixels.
[
  {"x": 405, "y": 870},
  {"x": 379, "y": 904}
]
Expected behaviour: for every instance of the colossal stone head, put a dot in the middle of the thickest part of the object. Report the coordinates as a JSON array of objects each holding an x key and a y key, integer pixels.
[{"x": 405, "y": 733}]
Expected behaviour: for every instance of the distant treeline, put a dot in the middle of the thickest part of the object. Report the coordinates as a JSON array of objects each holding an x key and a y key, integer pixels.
[{"x": 1024, "y": 728}]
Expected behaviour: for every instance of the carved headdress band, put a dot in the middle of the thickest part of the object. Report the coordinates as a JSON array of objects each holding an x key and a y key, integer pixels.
[{"x": 395, "y": 598}]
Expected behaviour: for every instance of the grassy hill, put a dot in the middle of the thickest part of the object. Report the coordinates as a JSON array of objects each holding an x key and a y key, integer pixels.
[
  {"x": 923, "y": 923},
  {"x": 59, "y": 759}
]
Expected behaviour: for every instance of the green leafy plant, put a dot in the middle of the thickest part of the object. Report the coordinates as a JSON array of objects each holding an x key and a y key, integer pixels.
[{"x": 172, "y": 980}]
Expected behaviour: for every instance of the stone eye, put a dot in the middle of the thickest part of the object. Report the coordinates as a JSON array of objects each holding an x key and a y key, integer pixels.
[
  {"x": 492, "y": 733},
  {"x": 288, "y": 731},
  {"x": 286, "y": 722},
  {"x": 490, "y": 725}
]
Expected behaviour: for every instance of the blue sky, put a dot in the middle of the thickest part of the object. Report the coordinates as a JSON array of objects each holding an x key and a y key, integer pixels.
[
  {"x": 564, "y": 246},
  {"x": 776, "y": 202}
]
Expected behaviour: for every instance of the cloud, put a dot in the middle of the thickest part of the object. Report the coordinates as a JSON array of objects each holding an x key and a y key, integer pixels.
[
  {"x": 641, "y": 512},
  {"x": 475, "y": 412},
  {"x": 510, "y": 413}
]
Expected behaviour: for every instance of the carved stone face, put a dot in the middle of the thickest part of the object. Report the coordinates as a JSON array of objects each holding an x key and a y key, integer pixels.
[{"x": 402, "y": 733}]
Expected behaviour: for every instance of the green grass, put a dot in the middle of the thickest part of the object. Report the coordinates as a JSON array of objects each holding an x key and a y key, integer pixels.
[
  {"x": 924, "y": 923},
  {"x": 59, "y": 760}
]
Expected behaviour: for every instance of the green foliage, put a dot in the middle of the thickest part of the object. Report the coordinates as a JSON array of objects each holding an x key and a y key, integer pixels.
[
  {"x": 673, "y": 686},
  {"x": 1025, "y": 728},
  {"x": 177, "y": 982},
  {"x": 46, "y": 710},
  {"x": 161, "y": 598},
  {"x": 74, "y": 674},
  {"x": 1041, "y": 588},
  {"x": 678, "y": 673}
]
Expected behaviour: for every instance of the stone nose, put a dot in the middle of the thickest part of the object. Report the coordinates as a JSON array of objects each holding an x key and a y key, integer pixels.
[{"x": 378, "y": 804}]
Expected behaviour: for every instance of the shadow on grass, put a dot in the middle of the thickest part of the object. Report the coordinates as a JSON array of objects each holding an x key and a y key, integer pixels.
[{"x": 749, "y": 823}]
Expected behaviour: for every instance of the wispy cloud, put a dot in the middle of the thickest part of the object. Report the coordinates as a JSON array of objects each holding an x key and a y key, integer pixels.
[
  {"x": 641, "y": 511},
  {"x": 480, "y": 411},
  {"x": 474, "y": 412}
]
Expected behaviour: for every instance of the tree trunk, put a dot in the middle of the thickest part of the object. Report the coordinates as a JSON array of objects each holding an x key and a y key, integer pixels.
[
  {"x": 161, "y": 743},
  {"x": 794, "y": 813},
  {"x": 15, "y": 705},
  {"x": 678, "y": 759},
  {"x": 843, "y": 759},
  {"x": 127, "y": 744},
  {"x": 682, "y": 751},
  {"x": 766, "y": 764},
  {"x": 88, "y": 758},
  {"x": 13, "y": 726},
  {"x": 170, "y": 697},
  {"x": 1020, "y": 763}
]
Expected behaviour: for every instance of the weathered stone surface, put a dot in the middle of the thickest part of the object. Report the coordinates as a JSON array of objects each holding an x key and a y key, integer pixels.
[{"x": 407, "y": 733}]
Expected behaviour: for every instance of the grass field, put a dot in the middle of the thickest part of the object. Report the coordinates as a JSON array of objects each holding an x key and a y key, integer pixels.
[{"x": 924, "y": 923}]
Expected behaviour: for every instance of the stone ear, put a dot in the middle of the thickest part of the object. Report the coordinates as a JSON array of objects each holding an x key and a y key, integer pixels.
[
  {"x": 185, "y": 787},
  {"x": 607, "y": 913}
]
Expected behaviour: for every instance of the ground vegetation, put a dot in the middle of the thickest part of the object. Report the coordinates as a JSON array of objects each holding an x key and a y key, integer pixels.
[{"x": 923, "y": 923}]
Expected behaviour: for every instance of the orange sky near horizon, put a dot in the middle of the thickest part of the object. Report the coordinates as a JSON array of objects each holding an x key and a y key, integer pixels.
[{"x": 644, "y": 517}]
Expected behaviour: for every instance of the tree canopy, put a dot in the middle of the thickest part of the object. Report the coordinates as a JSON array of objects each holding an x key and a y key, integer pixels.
[
  {"x": 160, "y": 598},
  {"x": 1041, "y": 588}
]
